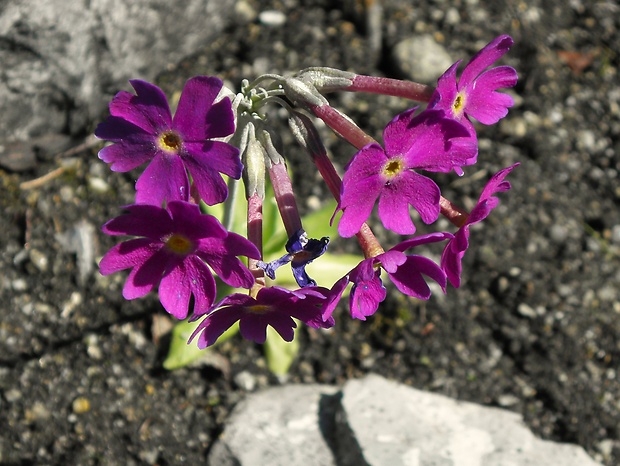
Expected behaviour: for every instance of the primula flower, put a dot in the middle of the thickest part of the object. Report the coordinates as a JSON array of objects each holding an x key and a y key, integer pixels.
[
  {"x": 143, "y": 130},
  {"x": 171, "y": 252},
  {"x": 405, "y": 271},
  {"x": 428, "y": 141},
  {"x": 301, "y": 250},
  {"x": 451, "y": 259},
  {"x": 475, "y": 93},
  {"x": 272, "y": 306}
]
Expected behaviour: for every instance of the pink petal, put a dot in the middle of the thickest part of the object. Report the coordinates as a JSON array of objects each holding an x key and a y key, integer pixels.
[
  {"x": 483, "y": 102},
  {"x": 127, "y": 254},
  {"x": 140, "y": 220},
  {"x": 175, "y": 291},
  {"x": 197, "y": 97},
  {"x": 148, "y": 109},
  {"x": 215, "y": 324},
  {"x": 410, "y": 188},
  {"x": 492, "y": 52},
  {"x": 145, "y": 277},
  {"x": 220, "y": 120},
  {"x": 219, "y": 156},
  {"x": 164, "y": 179}
]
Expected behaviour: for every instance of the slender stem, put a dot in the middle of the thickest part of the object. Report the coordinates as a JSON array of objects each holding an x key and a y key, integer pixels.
[
  {"x": 342, "y": 125},
  {"x": 388, "y": 86},
  {"x": 455, "y": 214},
  {"x": 255, "y": 236}
]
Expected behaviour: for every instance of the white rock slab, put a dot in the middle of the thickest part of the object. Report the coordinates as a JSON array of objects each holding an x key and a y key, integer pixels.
[{"x": 398, "y": 425}]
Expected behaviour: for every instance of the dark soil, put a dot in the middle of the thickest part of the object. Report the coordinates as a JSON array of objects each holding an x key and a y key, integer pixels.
[{"x": 534, "y": 327}]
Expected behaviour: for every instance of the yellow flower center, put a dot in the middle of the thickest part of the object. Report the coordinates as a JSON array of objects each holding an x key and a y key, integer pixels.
[
  {"x": 393, "y": 167},
  {"x": 259, "y": 308},
  {"x": 179, "y": 244},
  {"x": 459, "y": 104},
  {"x": 170, "y": 142}
]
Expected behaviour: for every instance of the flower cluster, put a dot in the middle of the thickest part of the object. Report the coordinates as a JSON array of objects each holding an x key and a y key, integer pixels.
[{"x": 194, "y": 157}]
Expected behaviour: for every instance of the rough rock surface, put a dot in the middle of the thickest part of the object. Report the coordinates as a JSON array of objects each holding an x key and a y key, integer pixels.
[
  {"x": 534, "y": 328},
  {"x": 62, "y": 60},
  {"x": 375, "y": 422}
]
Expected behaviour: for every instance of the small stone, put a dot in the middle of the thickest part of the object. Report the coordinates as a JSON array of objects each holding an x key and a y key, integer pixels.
[
  {"x": 272, "y": 18},
  {"x": 38, "y": 259},
  {"x": 526, "y": 311},
  {"x": 421, "y": 58},
  {"x": 245, "y": 381},
  {"x": 80, "y": 405}
]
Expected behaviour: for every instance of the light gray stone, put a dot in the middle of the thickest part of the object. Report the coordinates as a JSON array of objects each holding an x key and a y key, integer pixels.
[
  {"x": 401, "y": 426},
  {"x": 63, "y": 60},
  {"x": 377, "y": 422},
  {"x": 279, "y": 426},
  {"x": 421, "y": 58}
]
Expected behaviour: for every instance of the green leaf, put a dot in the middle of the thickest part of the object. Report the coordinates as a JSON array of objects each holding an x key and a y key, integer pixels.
[
  {"x": 279, "y": 353},
  {"x": 181, "y": 353}
]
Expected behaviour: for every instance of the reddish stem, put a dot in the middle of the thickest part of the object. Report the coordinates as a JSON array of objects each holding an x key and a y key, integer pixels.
[
  {"x": 388, "y": 86},
  {"x": 342, "y": 126},
  {"x": 455, "y": 214}
]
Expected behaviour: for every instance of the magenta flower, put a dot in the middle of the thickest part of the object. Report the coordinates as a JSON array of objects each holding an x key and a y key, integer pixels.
[
  {"x": 143, "y": 130},
  {"x": 171, "y": 252},
  {"x": 272, "y": 306},
  {"x": 451, "y": 259},
  {"x": 427, "y": 142},
  {"x": 475, "y": 93},
  {"x": 405, "y": 271}
]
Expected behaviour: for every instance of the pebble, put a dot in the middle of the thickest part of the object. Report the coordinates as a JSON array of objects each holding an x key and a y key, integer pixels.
[
  {"x": 38, "y": 259},
  {"x": 80, "y": 405},
  {"x": 245, "y": 380},
  {"x": 421, "y": 58},
  {"x": 272, "y": 18}
]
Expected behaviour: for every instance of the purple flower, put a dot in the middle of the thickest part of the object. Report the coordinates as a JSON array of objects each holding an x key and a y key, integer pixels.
[
  {"x": 429, "y": 142},
  {"x": 171, "y": 252},
  {"x": 272, "y": 306},
  {"x": 475, "y": 94},
  {"x": 143, "y": 130},
  {"x": 451, "y": 259},
  {"x": 301, "y": 250},
  {"x": 405, "y": 271}
]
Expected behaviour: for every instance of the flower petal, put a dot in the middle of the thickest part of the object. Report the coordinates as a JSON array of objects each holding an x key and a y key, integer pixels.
[
  {"x": 145, "y": 277},
  {"x": 148, "y": 109},
  {"x": 484, "y": 103},
  {"x": 219, "y": 156},
  {"x": 492, "y": 52},
  {"x": 175, "y": 291},
  {"x": 192, "y": 224},
  {"x": 140, "y": 220},
  {"x": 164, "y": 179},
  {"x": 127, "y": 254},
  {"x": 410, "y": 188},
  {"x": 215, "y": 324},
  {"x": 220, "y": 255},
  {"x": 197, "y": 97}
]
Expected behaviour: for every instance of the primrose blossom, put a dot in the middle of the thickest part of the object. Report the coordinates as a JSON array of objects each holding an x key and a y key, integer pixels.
[
  {"x": 173, "y": 248},
  {"x": 273, "y": 306},
  {"x": 406, "y": 271},
  {"x": 428, "y": 141},
  {"x": 143, "y": 130},
  {"x": 451, "y": 259}
]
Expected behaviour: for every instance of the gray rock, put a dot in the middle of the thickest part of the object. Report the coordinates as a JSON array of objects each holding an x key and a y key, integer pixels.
[
  {"x": 62, "y": 61},
  {"x": 398, "y": 425},
  {"x": 377, "y": 422},
  {"x": 421, "y": 58},
  {"x": 279, "y": 426}
]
